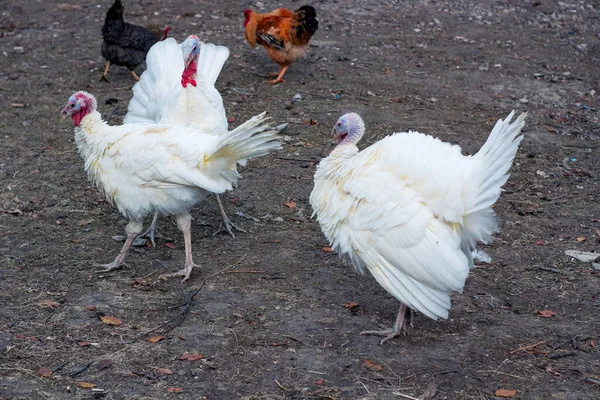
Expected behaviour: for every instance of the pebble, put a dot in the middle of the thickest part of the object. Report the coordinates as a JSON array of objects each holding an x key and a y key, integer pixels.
[{"x": 19, "y": 49}]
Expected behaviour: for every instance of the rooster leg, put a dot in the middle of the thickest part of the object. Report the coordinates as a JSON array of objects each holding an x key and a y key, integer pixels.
[
  {"x": 279, "y": 77},
  {"x": 135, "y": 76},
  {"x": 104, "y": 78},
  {"x": 152, "y": 233},
  {"x": 400, "y": 327},
  {"x": 133, "y": 230},
  {"x": 184, "y": 223},
  {"x": 226, "y": 223}
]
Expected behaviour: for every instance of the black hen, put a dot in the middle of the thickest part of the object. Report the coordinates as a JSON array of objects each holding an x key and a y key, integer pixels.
[{"x": 126, "y": 44}]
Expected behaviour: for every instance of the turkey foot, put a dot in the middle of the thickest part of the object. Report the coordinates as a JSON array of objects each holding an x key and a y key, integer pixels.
[
  {"x": 400, "y": 327},
  {"x": 226, "y": 223},
  {"x": 184, "y": 223},
  {"x": 132, "y": 233},
  {"x": 186, "y": 272},
  {"x": 152, "y": 234}
]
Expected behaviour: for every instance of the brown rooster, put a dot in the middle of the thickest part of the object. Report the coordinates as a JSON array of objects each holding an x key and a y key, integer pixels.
[{"x": 283, "y": 33}]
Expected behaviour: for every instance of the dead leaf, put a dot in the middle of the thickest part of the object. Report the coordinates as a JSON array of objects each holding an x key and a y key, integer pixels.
[
  {"x": 44, "y": 372},
  {"x": 91, "y": 308},
  {"x": 156, "y": 339},
  {"x": 230, "y": 119},
  {"x": 552, "y": 371},
  {"x": 84, "y": 343},
  {"x": 581, "y": 239},
  {"x": 350, "y": 305},
  {"x": 170, "y": 245},
  {"x": 37, "y": 199},
  {"x": 505, "y": 393},
  {"x": 164, "y": 371},
  {"x": 86, "y": 385},
  {"x": 372, "y": 365},
  {"x": 546, "y": 313},
  {"x": 108, "y": 320},
  {"x": 103, "y": 364},
  {"x": 191, "y": 356},
  {"x": 320, "y": 382},
  {"x": 327, "y": 249},
  {"x": 540, "y": 242},
  {"x": 182, "y": 337},
  {"x": 291, "y": 204},
  {"x": 49, "y": 303},
  {"x": 175, "y": 390}
]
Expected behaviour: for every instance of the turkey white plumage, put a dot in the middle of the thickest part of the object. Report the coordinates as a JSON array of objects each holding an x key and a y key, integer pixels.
[
  {"x": 178, "y": 87},
  {"x": 156, "y": 168},
  {"x": 410, "y": 209}
]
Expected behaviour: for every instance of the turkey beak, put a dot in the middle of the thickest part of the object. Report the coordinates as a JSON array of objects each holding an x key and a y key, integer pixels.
[
  {"x": 65, "y": 112},
  {"x": 334, "y": 135}
]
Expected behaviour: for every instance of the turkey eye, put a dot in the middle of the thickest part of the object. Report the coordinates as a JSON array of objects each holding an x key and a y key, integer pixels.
[
  {"x": 339, "y": 124},
  {"x": 72, "y": 105}
]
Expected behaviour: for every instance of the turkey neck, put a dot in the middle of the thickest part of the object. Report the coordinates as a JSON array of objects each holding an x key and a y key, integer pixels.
[
  {"x": 338, "y": 158},
  {"x": 93, "y": 137}
]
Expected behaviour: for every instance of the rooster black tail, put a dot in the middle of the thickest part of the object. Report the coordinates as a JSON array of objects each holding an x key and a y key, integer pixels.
[
  {"x": 115, "y": 12},
  {"x": 307, "y": 20}
]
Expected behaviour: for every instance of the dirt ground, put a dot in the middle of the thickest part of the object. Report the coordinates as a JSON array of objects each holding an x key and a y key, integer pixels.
[{"x": 272, "y": 316}]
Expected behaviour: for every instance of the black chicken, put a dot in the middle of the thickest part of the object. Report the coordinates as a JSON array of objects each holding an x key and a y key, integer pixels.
[{"x": 126, "y": 44}]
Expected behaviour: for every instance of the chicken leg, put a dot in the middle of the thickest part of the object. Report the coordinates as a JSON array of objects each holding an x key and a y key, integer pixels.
[
  {"x": 279, "y": 77},
  {"x": 135, "y": 76},
  {"x": 133, "y": 230},
  {"x": 400, "y": 327},
  {"x": 184, "y": 223},
  {"x": 226, "y": 223},
  {"x": 104, "y": 78}
]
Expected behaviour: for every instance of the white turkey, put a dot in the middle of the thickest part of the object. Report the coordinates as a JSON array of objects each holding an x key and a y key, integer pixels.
[
  {"x": 178, "y": 87},
  {"x": 411, "y": 208},
  {"x": 157, "y": 168}
]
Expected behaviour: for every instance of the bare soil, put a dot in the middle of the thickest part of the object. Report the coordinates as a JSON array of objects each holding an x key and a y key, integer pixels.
[{"x": 273, "y": 316}]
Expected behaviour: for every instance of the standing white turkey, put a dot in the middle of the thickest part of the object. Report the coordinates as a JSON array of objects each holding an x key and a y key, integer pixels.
[
  {"x": 410, "y": 209},
  {"x": 178, "y": 87},
  {"x": 157, "y": 168}
]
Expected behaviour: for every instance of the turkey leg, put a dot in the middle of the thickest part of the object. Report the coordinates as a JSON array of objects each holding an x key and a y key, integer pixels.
[
  {"x": 133, "y": 230},
  {"x": 184, "y": 223},
  {"x": 226, "y": 223},
  {"x": 399, "y": 327}
]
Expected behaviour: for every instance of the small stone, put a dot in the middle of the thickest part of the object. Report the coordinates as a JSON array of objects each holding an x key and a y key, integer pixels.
[{"x": 19, "y": 49}]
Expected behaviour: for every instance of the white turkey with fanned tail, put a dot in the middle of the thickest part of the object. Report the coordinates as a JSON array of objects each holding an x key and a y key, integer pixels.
[
  {"x": 178, "y": 87},
  {"x": 158, "y": 168},
  {"x": 411, "y": 208}
]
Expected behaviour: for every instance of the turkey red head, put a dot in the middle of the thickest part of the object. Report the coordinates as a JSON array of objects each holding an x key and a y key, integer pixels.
[
  {"x": 79, "y": 105},
  {"x": 191, "y": 49}
]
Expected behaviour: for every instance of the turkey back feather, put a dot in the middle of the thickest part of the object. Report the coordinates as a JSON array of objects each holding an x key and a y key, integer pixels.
[{"x": 161, "y": 78}]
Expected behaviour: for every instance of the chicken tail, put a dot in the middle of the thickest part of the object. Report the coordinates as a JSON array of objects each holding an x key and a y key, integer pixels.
[
  {"x": 306, "y": 23},
  {"x": 252, "y": 139},
  {"x": 211, "y": 61},
  {"x": 492, "y": 163}
]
